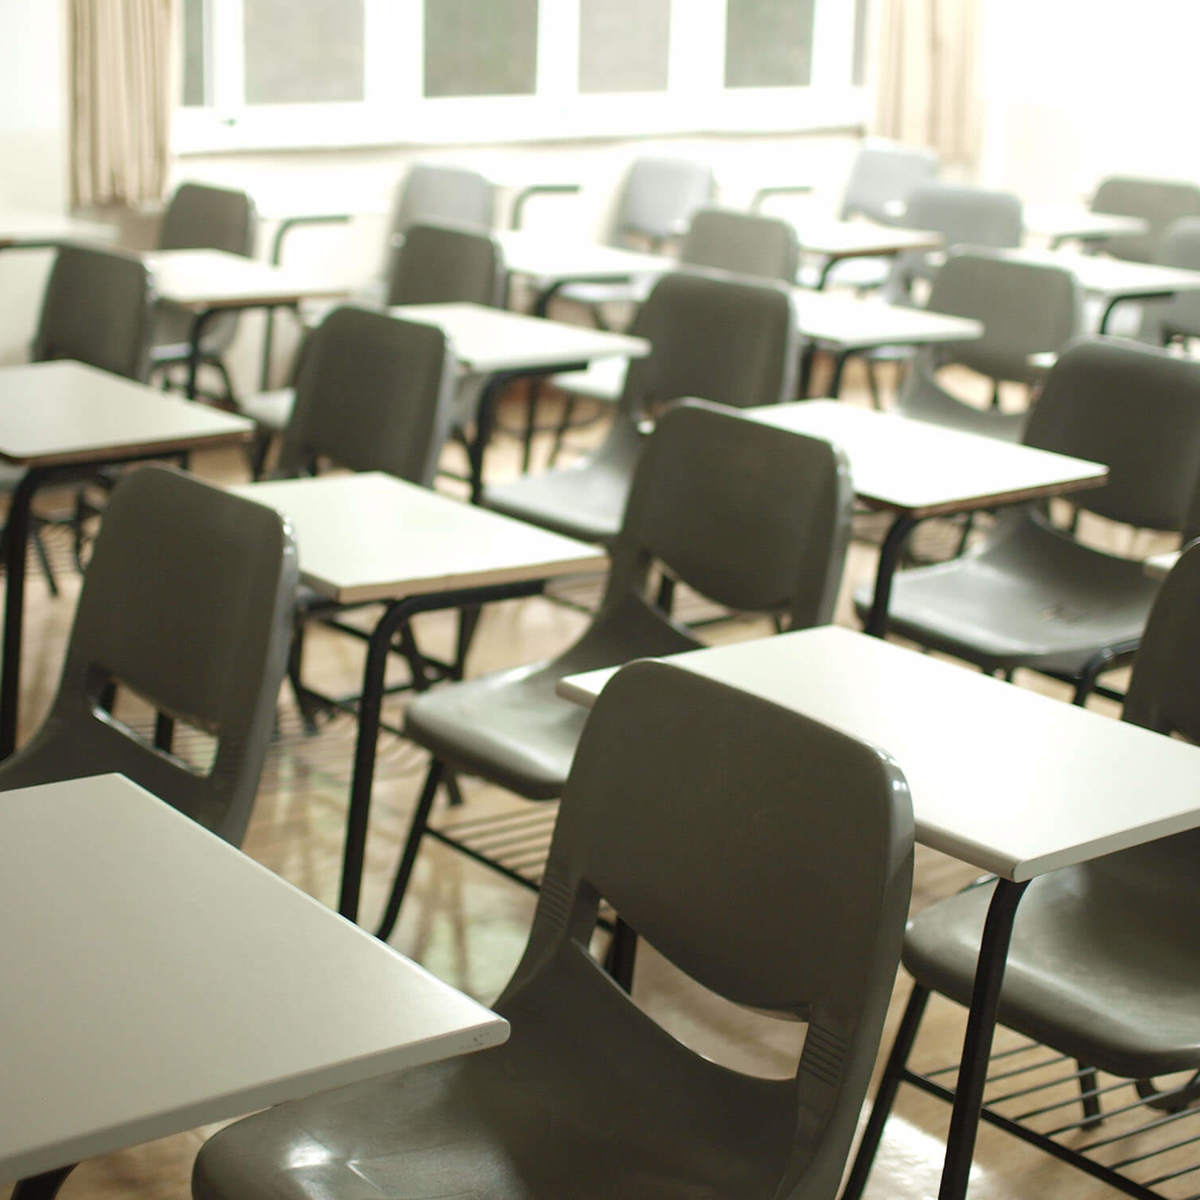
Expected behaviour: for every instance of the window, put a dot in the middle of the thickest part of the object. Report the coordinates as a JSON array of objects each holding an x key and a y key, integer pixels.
[{"x": 299, "y": 73}]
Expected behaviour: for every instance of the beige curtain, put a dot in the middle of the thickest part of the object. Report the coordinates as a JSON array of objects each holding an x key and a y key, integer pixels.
[
  {"x": 927, "y": 87},
  {"x": 121, "y": 81}
]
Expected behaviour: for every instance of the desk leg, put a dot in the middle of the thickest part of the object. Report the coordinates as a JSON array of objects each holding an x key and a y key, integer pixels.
[
  {"x": 889, "y": 560},
  {"x": 977, "y": 1043},
  {"x": 485, "y": 423},
  {"x": 199, "y": 321},
  {"x": 839, "y": 368},
  {"x": 1108, "y": 312},
  {"x": 42, "y": 1187},
  {"x": 16, "y": 538}
]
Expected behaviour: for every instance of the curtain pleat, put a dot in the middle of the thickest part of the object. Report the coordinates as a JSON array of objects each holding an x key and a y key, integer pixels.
[{"x": 120, "y": 100}]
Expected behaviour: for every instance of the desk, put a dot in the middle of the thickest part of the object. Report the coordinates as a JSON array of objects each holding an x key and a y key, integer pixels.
[
  {"x": 369, "y": 537},
  {"x": 836, "y": 240},
  {"x": 1114, "y": 280},
  {"x": 494, "y": 347},
  {"x": 30, "y": 231},
  {"x": 1076, "y": 791},
  {"x": 58, "y": 419},
  {"x": 207, "y": 282},
  {"x": 156, "y": 978},
  {"x": 1059, "y": 223},
  {"x": 916, "y": 470}
]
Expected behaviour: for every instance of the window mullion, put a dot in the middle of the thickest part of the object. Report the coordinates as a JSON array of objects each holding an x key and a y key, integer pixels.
[{"x": 229, "y": 57}]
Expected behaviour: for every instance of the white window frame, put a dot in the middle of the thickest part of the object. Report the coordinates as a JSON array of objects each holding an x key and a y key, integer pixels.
[{"x": 396, "y": 113}]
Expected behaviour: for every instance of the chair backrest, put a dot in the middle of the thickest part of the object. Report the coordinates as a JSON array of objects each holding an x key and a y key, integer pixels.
[
  {"x": 97, "y": 310},
  {"x": 658, "y": 197},
  {"x": 727, "y": 340},
  {"x": 203, "y": 217},
  {"x": 1180, "y": 315},
  {"x": 1026, "y": 308},
  {"x": 723, "y": 239},
  {"x": 754, "y": 517},
  {"x": 187, "y": 601},
  {"x": 437, "y": 263},
  {"x": 441, "y": 193},
  {"x": 966, "y": 216},
  {"x": 1159, "y": 202},
  {"x": 1134, "y": 408},
  {"x": 882, "y": 177},
  {"x": 373, "y": 393},
  {"x": 702, "y": 812}
]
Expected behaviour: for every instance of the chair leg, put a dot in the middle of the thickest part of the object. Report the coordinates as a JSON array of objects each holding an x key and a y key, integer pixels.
[
  {"x": 41, "y": 1187},
  {"x": 873, "y": 384},
  {"x": 666, "y": 594},
  {"x": 1088, "y": 1083},
  {"x": 621, "y": 956},
  {"x": 416, "y": 830},
  {"x": 43, "y": 558},
  {"x": 300, "y": 693},
  {"x": 468, "y": 622},
  {"x": 885, "y": 1097},
  {"x": 1086, "y": 682},
  {"x": 560, "y": 430}
]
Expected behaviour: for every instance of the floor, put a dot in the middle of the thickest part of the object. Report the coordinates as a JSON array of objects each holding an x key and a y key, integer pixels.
[{"x": 468, "y": 925}]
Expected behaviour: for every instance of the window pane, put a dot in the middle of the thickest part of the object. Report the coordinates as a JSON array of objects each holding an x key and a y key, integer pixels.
[
  {"x": 195, "y": 53},
  {"x": 623, "y": 45},
  {"x": 481, "y": 47},
  {"x": 303, "y": 51},
  {"x": 768, "y": 43}
]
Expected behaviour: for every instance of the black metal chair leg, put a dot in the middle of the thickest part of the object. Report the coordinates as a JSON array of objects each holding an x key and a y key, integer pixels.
[
  {"x": 468, "y": 622},
  {"x": 666, "y": 594},
  {"x": 885, "y": 1097},
  {"x": 42, "y": 1187},
  {"x": 300, "y": 693},
  {"x": 621, "y": 956},
  {"x": 39, "y": 546},
  {"x": 560, "y": 430},
  {"x": 1088, "y": 1085},
  {"x": 416, "y": 831}
]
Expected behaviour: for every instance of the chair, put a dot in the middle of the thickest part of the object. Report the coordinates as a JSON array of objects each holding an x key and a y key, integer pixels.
[
  {"x": 1102, "y": 966},
  {"x": 590, "y": 1097},
  {"x": 1027, "y": 309},
  {"x": 723, "y": 340},
  {"x": 1177, "y": 319},
  {"x": 443, "y": 194},
  {"x": 1159, "y": 202},
  {"x": 1031, "y": 595},
  {"x": 202, "y": 217},
  {"x": 753, "y": 517},
  {"x": 434, "y": 264}
]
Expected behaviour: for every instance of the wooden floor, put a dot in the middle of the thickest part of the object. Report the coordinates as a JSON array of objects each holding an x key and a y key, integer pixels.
[{"x": 468, "y": 925}]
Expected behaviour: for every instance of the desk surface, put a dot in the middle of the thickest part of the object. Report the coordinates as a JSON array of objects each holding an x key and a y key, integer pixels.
[
  {"x": 488, "y": 340},
  {"x": 47, "y": 229},
  {"x": 549, "y": 260},
  {"x": 57, "y": 413},
  {"x": 1002, "y": 778},
  {"x": 207, "y": 279},
  {"x": 372, "y": 537},
  {"x": 1114, "y": 277},
  {"x": 1074, "y": 221},
  {"x": 848, "y": 323},
  {"x": 156, "y": 979},
  {"x": 855, "y": 239},
  {"x": 922, "y": 469}
]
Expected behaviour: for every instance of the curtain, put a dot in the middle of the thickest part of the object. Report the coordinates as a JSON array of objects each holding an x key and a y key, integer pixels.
[
  {"x": 928, "y": 90},
  {"x": 121, "y": 82}
]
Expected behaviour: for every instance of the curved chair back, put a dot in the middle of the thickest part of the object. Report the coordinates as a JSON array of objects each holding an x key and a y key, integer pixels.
[
  {"x": 1134, "y": 408},
  {"x": 659, "y": 196},
  {"x": 435, "y": 192},
  {"x": 439, "y": 263},
  {"x": 97, "y": 309},
  {"x": 740, "y": 243},
  {"x": 966, "y": 216},
  {"x": 1179, "y": 316},
  {"x": 1026, "y": 308},
  {"x": 203, "y": 217},
  {"x": 724, "y": 340},
  {"x": 1159, "y": 202},
  {"x": 187, "y": 601},
  {"x": 373, "y": 393},
  {"x": 699, "y": 505},
  {"x": 883, "y": 176},
  {"x": 818, "y": 864}
]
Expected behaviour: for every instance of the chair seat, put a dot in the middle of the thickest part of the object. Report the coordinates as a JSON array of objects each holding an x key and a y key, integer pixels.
[
  {"x": 924, "y": 400},
  {"x": 552, "y": 1113},
  {"x": 512, "y": 727},
  {"x": 604, "y": 380},
  {"x": 1094, "y": 969},
  {"x": 269, "y": 410},
  {"x": 1031, "y": 596}
]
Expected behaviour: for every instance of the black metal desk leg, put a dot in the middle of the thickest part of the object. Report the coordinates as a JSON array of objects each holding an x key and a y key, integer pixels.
[
  {"x": 199, "y": 321},
  {"x": 42, "y": 1187},
  {"x": 977, "y": 1044},
  {"x": 485, "y": 421},
  {"x": 839, "y": 367},
  {"x": 889, "y": 559},
  {"x": 16, "y": 538}
]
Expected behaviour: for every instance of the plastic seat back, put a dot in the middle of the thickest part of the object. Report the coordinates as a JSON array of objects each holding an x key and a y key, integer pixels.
[
  {"x": 440, "y": 263},
  {"x": 724, "y": 340},
  {"x": 373, "y": 393},
  {"x": 1180, "y": 315},
  {"x": 203, "y": 217},
  {"x": 754, "y": 517},
  {"x": 742, "y": 244},
  {"x": 966, "y": 216},
  {"x": 1026, "y": 308},
  {"x": 436, "y": 192},
  {"x": 187, "y": 601},
  {"x": 97, "y": 310},
  {"x": 1134, "y": 408},
  {"x": 659, "y": 196},
  {"x": 882, "y": 177},
  {"x": 1159, "y": 202},
  {"x": 702, "y": 812}
]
